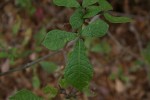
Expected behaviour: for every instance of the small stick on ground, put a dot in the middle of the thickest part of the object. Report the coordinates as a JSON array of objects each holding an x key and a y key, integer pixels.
[{"x": 30, "y": 64}]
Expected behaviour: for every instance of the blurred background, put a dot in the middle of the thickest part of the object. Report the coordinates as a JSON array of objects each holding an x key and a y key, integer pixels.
[{"x": 121, "y": 59}]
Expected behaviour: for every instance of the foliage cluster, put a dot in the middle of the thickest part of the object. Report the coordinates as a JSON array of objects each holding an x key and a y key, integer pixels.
[{"x": 79, "y": 71}]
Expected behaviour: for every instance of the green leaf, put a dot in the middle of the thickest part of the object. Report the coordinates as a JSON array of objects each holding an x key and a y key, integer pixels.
[
  {"x": 92, "y": 11},
  {"x": 105, "y": 5},
  {"x": 26, "y": 4},
  {"x": 36, "y": 81},
  {"x": 102, "y": 47},
  {"x": 24, "y": 95},
  {"x": 136, "y": 66},
  {"x": 113, "y": 76},
  {"x": 88, "y": 42},
  {"x": 16, "y": 27},
  {"x": 88, "y": 92},
  {"x": 76, "y": 20},
  {"x": 52, "y": 91},
  {"x": 66, "y": 3},
  {"x": 48, "y": 66},
  {"x": 114, "y": 19},
  {"x": 56, "y": 39},
  {"x": 146, "y": 53},
  {"x": 63, "y": 83},
  {"x": 39, "y": 36},
  {"x": 78, "y": 72},
  {"x": 23, "y": 3},
  {"x": 3, "y": 54},
  {"x": 96, "y": 29},
  {"x": 31, "y": 10},
  {"x": 88, "y": 2}
]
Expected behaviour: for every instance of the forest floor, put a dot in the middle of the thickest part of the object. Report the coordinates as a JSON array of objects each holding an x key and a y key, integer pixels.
[{"x": 121, "y": 59}]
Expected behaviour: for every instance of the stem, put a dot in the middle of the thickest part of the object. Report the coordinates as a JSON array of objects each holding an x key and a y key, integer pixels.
[{"x": 30, "y": 64}]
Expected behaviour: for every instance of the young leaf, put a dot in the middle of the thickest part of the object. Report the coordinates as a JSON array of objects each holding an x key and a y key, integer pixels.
[
  {"x": 76, "y": 20},
  {"x": 67, "y": 3},
  {"x": 96, "y": 29},
  {"x": 24, "y": 95},
  {"x": 48, "y": 66},
  {"x": 79, "y": 71},
  {"x": 114, "y": 19},
  {"x": 36, "y": 81},
  {"x": 52, "y": 91},
  {"x": 88, "y": 2},
  {"x": 63, "y": 83},
  {"x": 105, "y": 5},
  {"x": 56, "y": 39},
  {"x": 92, "y": 11}
]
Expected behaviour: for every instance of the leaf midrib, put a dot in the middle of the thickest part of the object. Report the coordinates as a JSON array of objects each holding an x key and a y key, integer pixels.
[{"x": 79, "y": 58}]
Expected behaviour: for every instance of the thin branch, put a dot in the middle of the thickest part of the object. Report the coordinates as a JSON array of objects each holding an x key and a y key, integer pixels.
[
  {"x": 126, "y": 49},
  {"x": 136, "y": 33},
  {"x": 147, "y": 69},
  {"x": 65, "y": 56},
  {"x": 30, "y": 64},
  {"x": 94, "y": 18},
  {"x": 130, "y": 15},
  {"x": 121, "y": 46}
]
